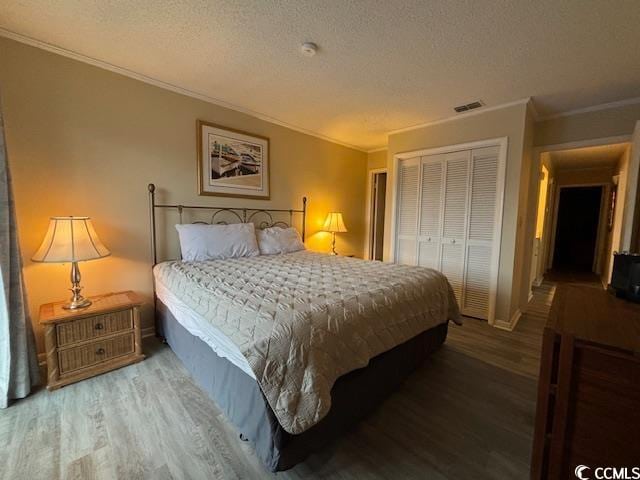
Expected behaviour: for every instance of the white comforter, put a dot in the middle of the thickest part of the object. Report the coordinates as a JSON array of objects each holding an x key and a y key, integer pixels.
[{"x": 304, "y": 319}]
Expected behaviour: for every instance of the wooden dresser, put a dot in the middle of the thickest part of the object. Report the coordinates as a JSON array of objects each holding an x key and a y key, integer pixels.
[
  {"x": 588, "y": 410},
  {"x": 90, "y": 341}
]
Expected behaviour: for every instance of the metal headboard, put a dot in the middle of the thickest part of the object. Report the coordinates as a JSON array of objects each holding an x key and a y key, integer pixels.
[{"x": 244, "y": 215}]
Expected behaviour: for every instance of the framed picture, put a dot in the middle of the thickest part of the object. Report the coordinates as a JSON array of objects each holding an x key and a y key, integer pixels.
[{"x": 232, "y": 163}]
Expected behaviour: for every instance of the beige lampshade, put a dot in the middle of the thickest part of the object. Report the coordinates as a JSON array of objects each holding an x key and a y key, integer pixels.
[
  {"x": 334, "y": 223},
  {"x": 70, "y": 239}
]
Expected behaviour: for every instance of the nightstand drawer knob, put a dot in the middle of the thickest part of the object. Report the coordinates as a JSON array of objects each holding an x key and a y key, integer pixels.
[
  {"x": 99, "y": 326},
  {"x": 100, "y": 351}
]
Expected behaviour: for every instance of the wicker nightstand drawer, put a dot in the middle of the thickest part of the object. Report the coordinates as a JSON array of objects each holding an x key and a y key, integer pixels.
[
  {"x": 93, "y": 327},
  {"x": 76, "y": 358},
  {"x": 93, "y": 340}
]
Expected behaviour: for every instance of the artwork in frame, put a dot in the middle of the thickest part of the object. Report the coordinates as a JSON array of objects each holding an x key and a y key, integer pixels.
[{"x": 232, "y": 163}]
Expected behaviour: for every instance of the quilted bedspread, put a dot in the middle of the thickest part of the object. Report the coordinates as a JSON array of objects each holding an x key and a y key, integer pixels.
[{"x": 304, "y": 319}]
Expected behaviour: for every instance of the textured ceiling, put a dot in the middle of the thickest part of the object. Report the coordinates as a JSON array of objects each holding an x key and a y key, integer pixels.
[
  {"x": 382, "y": 64},
  {"x": 589, "y": 157}
]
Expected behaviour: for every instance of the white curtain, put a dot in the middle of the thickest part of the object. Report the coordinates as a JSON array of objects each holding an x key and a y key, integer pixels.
[{"x": 18, "y": 359}]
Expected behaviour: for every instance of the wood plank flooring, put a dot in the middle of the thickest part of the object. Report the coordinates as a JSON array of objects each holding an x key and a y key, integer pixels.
[{"x": 467, "y": 413}]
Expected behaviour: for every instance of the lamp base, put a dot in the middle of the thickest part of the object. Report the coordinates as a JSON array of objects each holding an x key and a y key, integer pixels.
[
  {"x": 333, "y": 244},
  {"x": 77, "y": 300},
  {"x": 77, "y": 303}
]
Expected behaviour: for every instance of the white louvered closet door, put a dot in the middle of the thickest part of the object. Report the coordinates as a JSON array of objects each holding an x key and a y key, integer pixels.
[
  {"x": 407, "y": 210},
  {"x": 454, "y": 219},
  {"x": 430, "y": 211},
  {"x": 483, "y": 182}
]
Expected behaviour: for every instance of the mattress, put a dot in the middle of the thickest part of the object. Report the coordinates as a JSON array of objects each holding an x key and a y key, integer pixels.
[
  {"x": 354, "y": 395},
  {"x": 196, "y": 325},
  {"x": 303, "y": 320}
]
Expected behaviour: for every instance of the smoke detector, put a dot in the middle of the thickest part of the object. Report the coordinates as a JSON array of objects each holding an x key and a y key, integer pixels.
[{"x": 309, "y": 49}]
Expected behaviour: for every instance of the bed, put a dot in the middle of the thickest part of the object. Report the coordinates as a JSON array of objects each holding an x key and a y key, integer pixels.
[{"x": 298, "y": 347}]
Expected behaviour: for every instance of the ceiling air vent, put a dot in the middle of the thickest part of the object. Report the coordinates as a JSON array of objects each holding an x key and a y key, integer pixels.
[{"x": 469, "y": 106}]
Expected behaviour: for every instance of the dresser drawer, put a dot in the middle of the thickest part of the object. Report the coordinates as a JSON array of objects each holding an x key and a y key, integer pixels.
[
  {"x": 93, "y": 327},
  {"x": 76, "y": 358}
]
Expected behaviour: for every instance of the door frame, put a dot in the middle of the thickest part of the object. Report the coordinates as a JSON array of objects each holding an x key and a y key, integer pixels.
[
  {"x": 537, "y": 156},
  {"x": 556, "y": 206},
  {"x": 369, "y": 209},
  {"x": 502, "y": 143}
]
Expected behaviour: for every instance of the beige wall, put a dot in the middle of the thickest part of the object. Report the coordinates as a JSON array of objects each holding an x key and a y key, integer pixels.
[
  {"x": 611, "y": 122},
  {"x": 377, "y": 159},
  {"x": 85, "y": 141},
  {"x": 584, "y": 176},
  {"x": 527, "y": 208},
  {"x": 509, "y": 122}
]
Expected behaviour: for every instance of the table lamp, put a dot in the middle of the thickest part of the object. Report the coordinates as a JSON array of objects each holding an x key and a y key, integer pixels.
[
  {"x": 71, "y": 239},
  {"x": 334, "y": 224}
]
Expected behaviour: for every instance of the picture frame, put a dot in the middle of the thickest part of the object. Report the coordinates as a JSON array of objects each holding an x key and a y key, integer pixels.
[{"x": 232, "y": 163}]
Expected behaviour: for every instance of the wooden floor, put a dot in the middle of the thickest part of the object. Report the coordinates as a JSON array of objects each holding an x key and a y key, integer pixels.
[{"x": 468, "y": 413}]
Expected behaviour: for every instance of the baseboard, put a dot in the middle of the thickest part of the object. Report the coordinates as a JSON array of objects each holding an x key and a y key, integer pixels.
[
  {"x": 538, "y": 281},
  {"x": 511, "y": 324},
  {"x": 42, "y": 359},
  {"x": 530, "y": 297}
]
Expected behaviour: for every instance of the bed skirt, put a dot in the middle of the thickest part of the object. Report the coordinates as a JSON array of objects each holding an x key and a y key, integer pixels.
[{"x": 354, "y": 396}]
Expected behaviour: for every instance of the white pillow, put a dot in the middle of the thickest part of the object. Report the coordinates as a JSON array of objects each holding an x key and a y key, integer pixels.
[
  {"x": 279, "y": 240},
  {"x": 213, "y": 242}
]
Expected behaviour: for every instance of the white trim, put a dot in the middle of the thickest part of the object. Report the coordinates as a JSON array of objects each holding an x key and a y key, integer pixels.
[
  {"x": 537, "y": 155},
  {"x": 164, "y": 85},
  {"x": 491, "y": 142},
  {"x": 627, "y": 235},
  {"x": 601, "y": 238},
  {"x": 594, "y": 142},
  {"x": 200, "y": 96},
  {"x": 368, "y": 225},
  {"x": 511, "y": 324},
  {"x": 502, "y": 143},
  {"x": 379, "y": 149},
  {"x": 461, "y": 116},
  {"x": 592, "y": 108},
  {"x": 497, "y": 232}
]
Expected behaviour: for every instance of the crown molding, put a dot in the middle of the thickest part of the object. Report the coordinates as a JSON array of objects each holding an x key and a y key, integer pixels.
[
  {"x": 593, "y": 108},
  {"x": 461, "y": 116},
  {"x": 215, "y": 101},
  {"x": 164, "y": 85},
  {"x": 534, "y": 110},
  {"x": 379, "y": 149}
]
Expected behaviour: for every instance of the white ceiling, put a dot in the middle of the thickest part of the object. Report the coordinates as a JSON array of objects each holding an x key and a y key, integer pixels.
[
  {"x": 589, "y": 157},
  {"x": 382, "y": 64}
]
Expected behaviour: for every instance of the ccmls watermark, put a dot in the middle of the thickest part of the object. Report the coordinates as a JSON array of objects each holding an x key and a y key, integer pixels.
[{"x": 584, "y": 472}]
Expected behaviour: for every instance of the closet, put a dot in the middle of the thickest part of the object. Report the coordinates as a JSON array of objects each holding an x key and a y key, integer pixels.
[{"x": 449, "y": 216}]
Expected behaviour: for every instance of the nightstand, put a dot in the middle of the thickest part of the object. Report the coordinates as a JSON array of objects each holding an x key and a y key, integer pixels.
[{"x": 93, "y": 340}]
